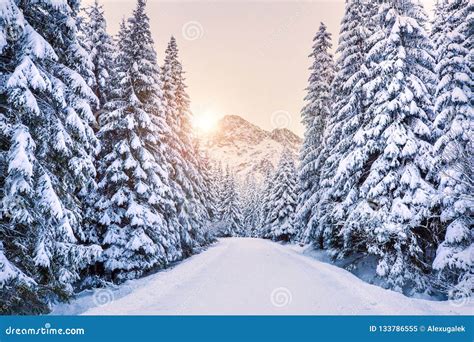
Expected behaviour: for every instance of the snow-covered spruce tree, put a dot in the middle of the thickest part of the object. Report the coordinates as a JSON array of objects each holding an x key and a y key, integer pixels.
[
  {"x": 211, "y": 189},
  {"x": 18, "y": 295},
  {"x": 87, "y": 72},
  {"x": 135, "y": 205},
  {"x": 265, "y": 204},
  {"x": 99, "y": 44},
  {"x": 101, "y": 52},
  {"x": 46, "y": 149},
  {"x": 438, "y": 23},
  {"x": 454, "y": 129},
  {"x": 231, "y": 208},
  {"x": 186, "y": 160},
  {"x": 118, "y": 67},
  {"x": 206, "y": 194},
  {"x": 251, "y": 193},
  {"x": 93, "y": 215},
  {"x": 215, "y": 185},
  {"x": 392, "y": 148},
  {"x": 218, "y": 178},
  {"x": 337, "y": 193},
  {"x": 284, "y": 198},
  {"x": 315, "y": 115}
]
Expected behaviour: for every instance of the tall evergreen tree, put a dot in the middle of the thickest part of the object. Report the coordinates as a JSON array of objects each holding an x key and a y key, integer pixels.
[
  {"x": 284, "y": 198},
  {"x": 250, "y": 206},
  {"x": 46, "y": 152},
  {"x": 100, "y": 47},
  {"x": 315, "y": 115},
  {"x": 218, "y": 180},
  {"x": 265, "y": 204},
  {"x": 210, "y": 186},
  {"x": 186, "y": 160},
  {"x": 454, "y": 129},
  {"x": 338, "y": 191},
  {"x": 135, "y": 205},
  {"x": 438, "y": 23},
  {"x": 231, "y": 208},
  {"x": 392, "y": 148}
]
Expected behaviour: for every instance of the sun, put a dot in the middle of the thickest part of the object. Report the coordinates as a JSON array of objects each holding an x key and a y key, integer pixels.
[{"x": 205, "y": 122}]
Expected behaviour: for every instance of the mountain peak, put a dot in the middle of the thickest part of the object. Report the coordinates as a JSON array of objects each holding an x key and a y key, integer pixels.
[
  {"x": 247, "y": 148},
  {"x": 233, "y": 119},
  {"x": 285, "y": 136},
  {"x": 234, "y": 129}
]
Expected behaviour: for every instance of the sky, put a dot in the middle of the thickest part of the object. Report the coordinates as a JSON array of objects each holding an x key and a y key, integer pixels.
[{"x": 247, "y": 58}]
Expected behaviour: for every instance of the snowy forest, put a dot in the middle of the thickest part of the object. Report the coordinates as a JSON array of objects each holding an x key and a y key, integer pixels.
[{"x": 103, "y": 179}]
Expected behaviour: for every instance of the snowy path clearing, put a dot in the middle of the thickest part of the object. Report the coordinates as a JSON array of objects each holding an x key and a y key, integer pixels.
[{"x": 253, "y": 276}]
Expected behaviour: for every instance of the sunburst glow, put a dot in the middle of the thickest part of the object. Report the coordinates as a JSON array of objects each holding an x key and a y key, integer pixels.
[{"x": 205, "y": 122}]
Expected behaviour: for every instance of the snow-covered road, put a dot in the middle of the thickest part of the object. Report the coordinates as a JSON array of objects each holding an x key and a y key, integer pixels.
[{"x": 254, "y": 276}]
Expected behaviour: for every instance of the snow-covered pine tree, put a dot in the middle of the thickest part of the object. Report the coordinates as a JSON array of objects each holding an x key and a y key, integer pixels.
[
  {"x": 207, "y": 172},
  {"x": 46, "y": 149},
  {"x": 135, "y": 204},
  {"x": 206, "y": 195},
  {"x": 392, "y": 149},
  {"x": 315, "y": 115},
  {"x": 118, "y": 67},
  {"x": 99, "y": 45},
  {"x": 93, "y": 215},
  {"x": 18, "y": 295},
  {"x": 454, "y": 149},
  {"x": 87, "y": 72},
  {"x": 218, "y": 179},
  {"x": 231, "y": 208},
  {"x": 337, "y": 194},
  {"x": 438, "y": 23},
  {"x": 184, "y": 154},
  {"x": 101, "y": 52},
  {"x": 251, "y": 193},
  {"x": 284, "y": 197},
  {"x": 265, "y": 204}
]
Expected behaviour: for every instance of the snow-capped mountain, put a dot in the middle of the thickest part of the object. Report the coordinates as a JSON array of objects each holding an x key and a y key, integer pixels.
[{"x": 247, "y": 148}]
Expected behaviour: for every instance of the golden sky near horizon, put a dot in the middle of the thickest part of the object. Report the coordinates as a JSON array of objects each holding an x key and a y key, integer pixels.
[{"x": 247, "y": 58}]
